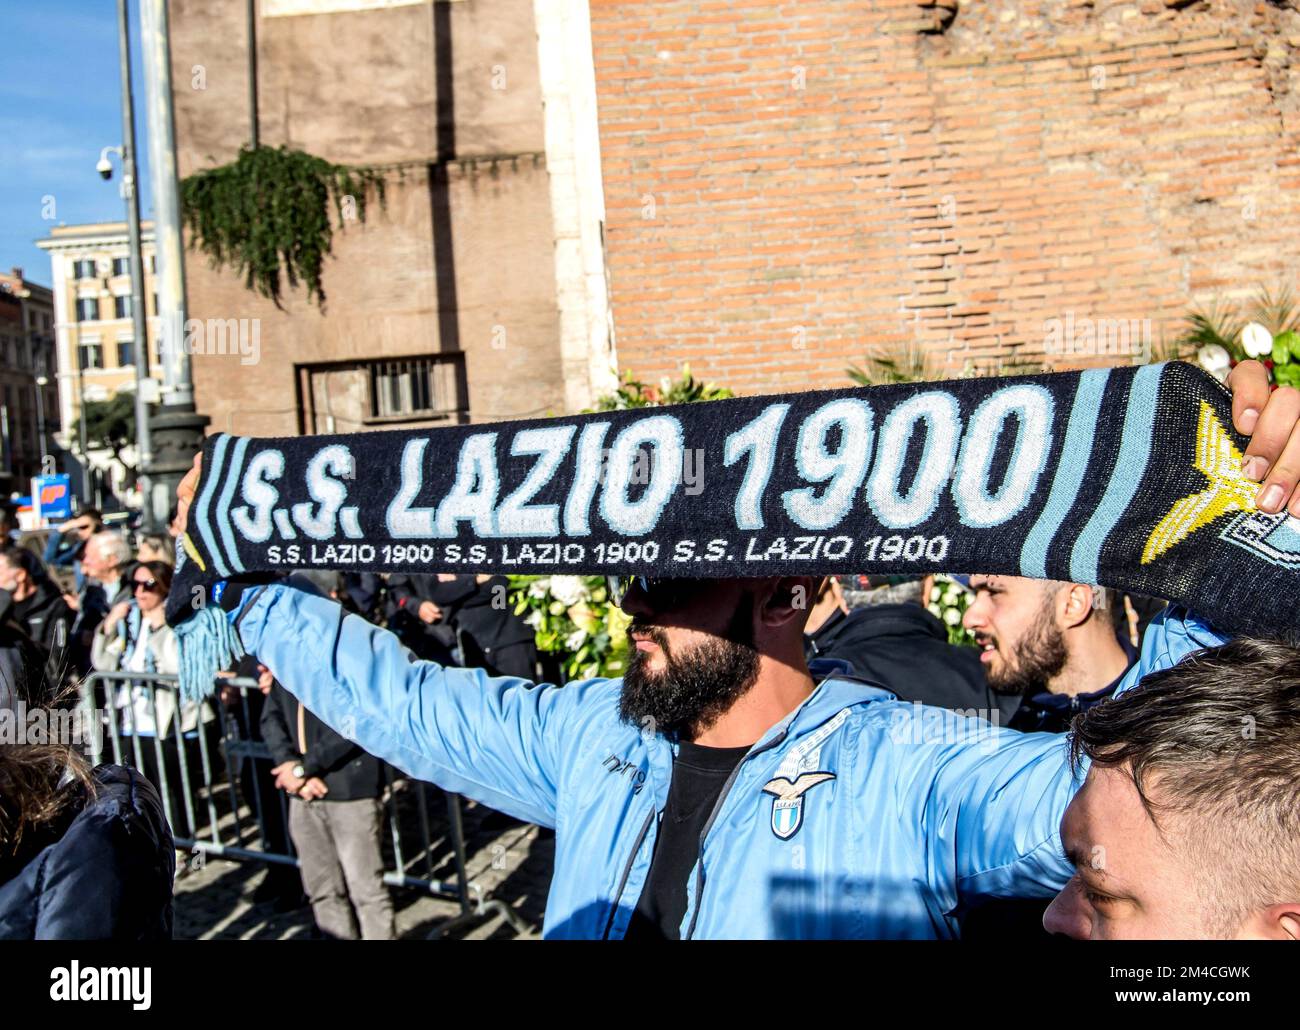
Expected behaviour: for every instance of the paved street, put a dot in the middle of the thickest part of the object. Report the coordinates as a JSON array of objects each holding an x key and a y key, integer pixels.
[{"x": 509, "y": 861}]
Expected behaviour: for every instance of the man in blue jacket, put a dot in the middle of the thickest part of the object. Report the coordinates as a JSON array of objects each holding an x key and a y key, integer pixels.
[{"x": 721, "y": 788}]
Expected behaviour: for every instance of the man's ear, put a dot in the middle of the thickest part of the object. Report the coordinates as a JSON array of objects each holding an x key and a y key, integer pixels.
[
  {"x": 1279, "y": 922},
  {"x": 1074, "y": 604},
  {"x": 791, "y": 599},
  {"x": 1286, "y": 917}
]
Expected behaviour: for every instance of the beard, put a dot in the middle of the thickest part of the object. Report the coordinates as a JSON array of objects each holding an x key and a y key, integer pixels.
[
  {"x": 695, "y": 688},
  {"x": 1041, "y": 655}
]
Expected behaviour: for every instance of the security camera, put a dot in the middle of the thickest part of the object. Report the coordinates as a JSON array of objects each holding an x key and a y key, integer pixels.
[{"x": 104, "y": 167}]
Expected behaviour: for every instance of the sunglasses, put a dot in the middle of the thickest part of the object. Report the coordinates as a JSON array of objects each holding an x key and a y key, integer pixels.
[
  {"x": 660, "y": 594},
  {"x": 147, "y": 584}
]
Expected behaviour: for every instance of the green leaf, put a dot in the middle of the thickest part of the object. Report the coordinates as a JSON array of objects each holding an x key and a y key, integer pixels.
[
  {"x": 267, "y": 214},
  {"x": 1287, "y": 375},
  {"x": 1290, "y": 341}
]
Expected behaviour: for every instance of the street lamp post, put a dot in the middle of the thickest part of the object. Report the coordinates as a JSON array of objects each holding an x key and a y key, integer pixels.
[
  {"x": 140, "y": 332},
  {"x": 177, "y": 426},
  {"x": 81, "y": 439},
  {"x": 41, "y": 383}
]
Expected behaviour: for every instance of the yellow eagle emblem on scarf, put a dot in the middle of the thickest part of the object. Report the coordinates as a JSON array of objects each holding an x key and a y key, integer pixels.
[{"x": 1228, "y": 491}]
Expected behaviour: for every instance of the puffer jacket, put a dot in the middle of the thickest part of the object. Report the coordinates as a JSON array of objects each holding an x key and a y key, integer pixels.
[{"x": 106, "y": 874}]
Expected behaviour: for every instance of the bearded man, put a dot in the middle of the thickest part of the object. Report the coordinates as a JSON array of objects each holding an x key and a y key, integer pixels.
[
  {"x": 1056, "y": 646},
  {"x": 723, "y": 788}
]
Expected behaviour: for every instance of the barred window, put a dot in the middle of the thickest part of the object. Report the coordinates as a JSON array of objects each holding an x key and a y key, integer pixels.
[{"x": 344, "y": 396}]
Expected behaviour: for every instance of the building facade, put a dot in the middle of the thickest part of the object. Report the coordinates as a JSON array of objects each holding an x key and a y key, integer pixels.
[
  {"x": 768, "y": 194},
  {"x": 94, "y": 332},
  {"x": 994, "y": 186},
  {"x": 476, "y": 292},
  {"x": 29, "y": 408}
]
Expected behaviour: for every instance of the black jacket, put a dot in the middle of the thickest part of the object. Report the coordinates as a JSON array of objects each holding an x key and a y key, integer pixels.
[
  {"x": 48, "y": 621},
  {"x": 22, "y": 662},
  {"x": 103, "y": 873},
  {"x": 349, "y": 772},
  {"x": 1053, "y": 713},
  {"x": 904, "y": 648},
  {"x": 468, "y": 605}
]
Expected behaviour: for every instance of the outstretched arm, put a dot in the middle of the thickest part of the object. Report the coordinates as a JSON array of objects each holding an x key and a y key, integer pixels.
[{"x": 497, "y": 740}]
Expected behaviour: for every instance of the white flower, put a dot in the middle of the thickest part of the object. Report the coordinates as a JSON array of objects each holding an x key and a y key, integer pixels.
[
  {"x": 1257, "y": 340},
  {"x": 952, "y": 616},
  {"x": 569, "y": 590},
  {"x": 575, "y": 640},
  {"x": 1215, "y": 360},
  {"x": 952, "y": 595},
  {"x": 935, "y": 593},
  {"x": 539, "y": 588},
  {"x": 934, "y": 609},
  {"x": 533, "y": 619}
]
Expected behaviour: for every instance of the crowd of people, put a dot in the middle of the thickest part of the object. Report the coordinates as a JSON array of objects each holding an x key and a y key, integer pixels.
[
  {"x": 92, "y": 599},
  {"x": 1097, "y": 765}
]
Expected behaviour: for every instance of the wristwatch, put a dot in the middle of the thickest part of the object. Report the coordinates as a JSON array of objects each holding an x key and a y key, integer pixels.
[{"x": 300, "y": 772}]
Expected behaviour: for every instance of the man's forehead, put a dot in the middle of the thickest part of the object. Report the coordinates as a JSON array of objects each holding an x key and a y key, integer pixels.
[
  {"x": 1106, "y": 819},
  {"x": 1008, "y": 584}
]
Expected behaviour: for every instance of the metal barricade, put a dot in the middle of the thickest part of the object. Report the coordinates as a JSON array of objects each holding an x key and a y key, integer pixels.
[{"x": 207, "y": 817}]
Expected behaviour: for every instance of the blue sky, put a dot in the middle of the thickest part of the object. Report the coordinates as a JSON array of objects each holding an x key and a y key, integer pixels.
[{"x": 60, "y": 103}]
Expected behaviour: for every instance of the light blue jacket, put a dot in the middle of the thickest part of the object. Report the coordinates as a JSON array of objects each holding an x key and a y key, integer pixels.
[{"x": 921, "y": 808}]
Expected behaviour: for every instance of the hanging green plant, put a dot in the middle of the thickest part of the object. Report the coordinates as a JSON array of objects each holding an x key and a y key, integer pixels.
[{"x": 268, "y": 213}]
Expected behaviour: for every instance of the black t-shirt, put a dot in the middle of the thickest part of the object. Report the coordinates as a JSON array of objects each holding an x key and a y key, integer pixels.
[{"x": 699, "y": 774}]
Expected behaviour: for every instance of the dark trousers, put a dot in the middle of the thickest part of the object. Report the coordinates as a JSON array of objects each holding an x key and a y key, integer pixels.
[{"x": 175, "y": 794}]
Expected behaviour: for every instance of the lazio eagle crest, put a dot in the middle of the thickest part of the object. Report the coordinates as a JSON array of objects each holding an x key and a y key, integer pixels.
[
  {"x": 787, "y": 800},
  {"x": 1226, "y": 490},
  {"x": 1274, "y": 538}
]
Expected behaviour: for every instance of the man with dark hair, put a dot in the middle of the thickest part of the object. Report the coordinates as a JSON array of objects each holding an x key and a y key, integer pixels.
[
  {"x": 1053, "y": 650},
  {"x": 1187, "y": 825},
  {"x": 39, "y": 606},
  {"x": 722, "y": 788},
  {"x": 1056, "y": 646}
]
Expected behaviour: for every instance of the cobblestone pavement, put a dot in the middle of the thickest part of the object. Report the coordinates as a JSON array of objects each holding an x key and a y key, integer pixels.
[{"x": 508, "y": 860}]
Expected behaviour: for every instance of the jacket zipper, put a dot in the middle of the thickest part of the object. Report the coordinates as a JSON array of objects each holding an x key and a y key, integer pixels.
[
  {"x": 717, "y": 807},
  {"x": 627, "y": 872}
]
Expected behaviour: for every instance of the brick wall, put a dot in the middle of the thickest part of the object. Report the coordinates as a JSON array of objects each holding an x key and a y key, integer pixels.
[
  {"x": 467, "y": 266},
  {"x": 792, "y": 185}
]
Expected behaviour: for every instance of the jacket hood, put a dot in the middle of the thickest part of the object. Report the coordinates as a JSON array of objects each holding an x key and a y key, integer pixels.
[{"x": 104, "y": 871}]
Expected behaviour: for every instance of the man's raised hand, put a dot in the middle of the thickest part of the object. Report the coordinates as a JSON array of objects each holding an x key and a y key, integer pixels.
[{"x": 1272, "y": 421}]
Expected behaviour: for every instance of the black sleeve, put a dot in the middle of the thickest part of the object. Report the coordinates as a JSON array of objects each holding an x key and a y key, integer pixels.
[
  {"x": 453, "y": 592},
  {"x": 363, "y": 588},
  {"x": 401, "y": 588},
  {"x": 275, "y": 731},
  {"x": 110, "y": 877}
]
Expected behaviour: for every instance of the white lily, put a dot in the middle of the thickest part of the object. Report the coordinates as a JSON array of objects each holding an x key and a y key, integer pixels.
[
  {"x": 569, "y": 589},
  {"x": 1257, "y": 341},
  {"x": 1215, "y": 360}
]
